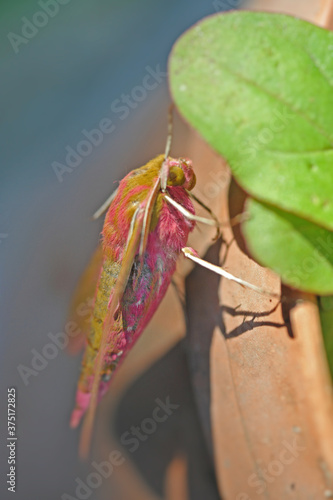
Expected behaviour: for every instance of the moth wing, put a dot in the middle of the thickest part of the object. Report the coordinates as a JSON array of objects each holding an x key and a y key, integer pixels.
[
  {"x": 82, "y": 304},
  {"x": 137, "y": 235}
]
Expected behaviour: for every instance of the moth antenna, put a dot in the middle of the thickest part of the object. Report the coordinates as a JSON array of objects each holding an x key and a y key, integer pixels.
[
  {"x": 169, "y": 137},
  {"x": 164, "y": 171},
  {"x": 105, "y": 205},
  {"x": 191, "y": 254}
]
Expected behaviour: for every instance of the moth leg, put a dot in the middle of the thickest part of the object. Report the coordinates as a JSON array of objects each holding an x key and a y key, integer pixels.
[
  {"x": 189, "y": 215},
  {"x": 191, "y": 254},
  {"x": 210, "y": 222},
  {"x": 105, "y": 205},
  {"x": 233, "y": 222},
  {"x": 227, "y": 247},
  {"x": 211, "y": 213}
]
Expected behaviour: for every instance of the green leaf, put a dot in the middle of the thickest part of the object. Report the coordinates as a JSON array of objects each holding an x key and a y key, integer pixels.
[
  {"x": 258, "y": 87},
  {"x": 296, "y": 249}
]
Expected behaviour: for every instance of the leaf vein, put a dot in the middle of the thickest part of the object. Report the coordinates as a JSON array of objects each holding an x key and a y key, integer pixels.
[{"x": 278, "y": 98}]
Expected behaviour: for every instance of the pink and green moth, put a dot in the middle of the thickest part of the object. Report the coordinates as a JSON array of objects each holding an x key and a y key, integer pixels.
[{"x": 146, "y": 227}]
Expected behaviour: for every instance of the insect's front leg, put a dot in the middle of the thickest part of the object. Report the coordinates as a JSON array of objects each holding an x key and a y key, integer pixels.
[
  {"x": 209, "y": 222},
  {"x": 211, "y": 213},
  {"x": 193, "y": 255},
  {"x": 189, "y": 215}
]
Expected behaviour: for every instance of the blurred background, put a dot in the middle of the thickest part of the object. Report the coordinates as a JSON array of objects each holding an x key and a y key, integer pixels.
[
  {"x": 84, "y": 100},
  {"x": 68, "y": 68}
]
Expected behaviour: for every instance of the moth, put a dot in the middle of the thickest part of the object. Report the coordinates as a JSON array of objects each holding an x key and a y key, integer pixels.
[{"x": 149, "y": 218}]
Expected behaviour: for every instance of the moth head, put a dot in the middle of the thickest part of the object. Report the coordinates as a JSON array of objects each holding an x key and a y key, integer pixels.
[{"x": 181, "y": 173}]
